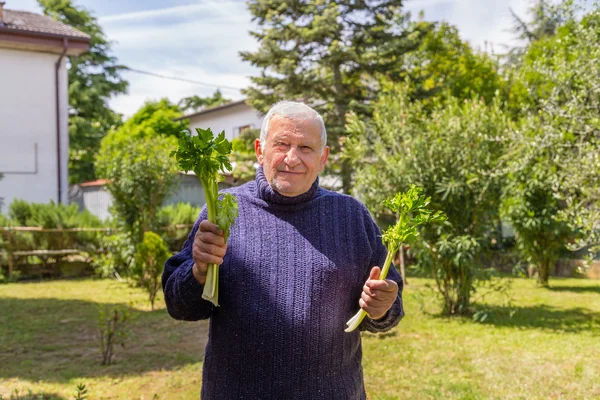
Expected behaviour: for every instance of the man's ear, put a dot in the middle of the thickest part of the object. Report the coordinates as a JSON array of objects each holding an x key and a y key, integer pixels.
[
  {"x": 324, "y": 157},
  {"x": 259, "y": 152}
]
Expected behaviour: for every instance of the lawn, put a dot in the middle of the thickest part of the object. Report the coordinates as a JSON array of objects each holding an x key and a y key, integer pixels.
[{"x": 549, "y": 348}]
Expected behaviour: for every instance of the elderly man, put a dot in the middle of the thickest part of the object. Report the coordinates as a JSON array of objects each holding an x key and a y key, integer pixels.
[{"x": 299, "y": 263}]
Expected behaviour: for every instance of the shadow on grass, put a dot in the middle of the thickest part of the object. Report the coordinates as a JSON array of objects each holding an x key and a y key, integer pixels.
[
  {"x": 58, "y": 340},
  {"x": 575, "y": 289},
  {"x": 21, "y": 395},
  {"x": 572, "y": 320}
]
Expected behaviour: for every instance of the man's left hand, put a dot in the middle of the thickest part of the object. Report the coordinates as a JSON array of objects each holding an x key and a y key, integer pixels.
[{"x": 378, "y": 295}]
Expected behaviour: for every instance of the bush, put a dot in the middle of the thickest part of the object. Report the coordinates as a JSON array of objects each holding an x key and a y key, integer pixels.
[
  {"x": 48, "y": 216},
  {"x": 177, "y": 214},
  {"x": 116, "y": 257},
  {"x": 53, "y": 216},
  {"x": 150, "y": 259}
]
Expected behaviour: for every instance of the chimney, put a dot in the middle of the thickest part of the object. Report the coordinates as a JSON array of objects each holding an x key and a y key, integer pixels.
[{"x": 2, "y": 3}]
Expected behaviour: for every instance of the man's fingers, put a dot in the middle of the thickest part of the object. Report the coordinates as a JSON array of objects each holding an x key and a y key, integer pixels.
[
  {"x": 210, "y": 238},
  {"x": 204, "y": 258},
  {"x": 369, "y": 291},
  {"x": 370, "y": 309},
  {"x": 375, "y": 272},
  {"x": 207, "y": 226},
  {"x": 215, "y": 250},
  {"x": 387, "y": 285},
  {"x": 370, "y": 300}
]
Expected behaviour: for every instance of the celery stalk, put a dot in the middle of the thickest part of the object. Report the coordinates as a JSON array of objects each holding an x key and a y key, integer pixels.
[{"x": 412, "y": 212}]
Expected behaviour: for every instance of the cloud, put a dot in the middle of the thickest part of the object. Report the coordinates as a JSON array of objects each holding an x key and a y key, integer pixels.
[
  {"x": 143, "y": 88},
  {"x": 203, "y": 9},
  {"x": 201, "y": 41},
  {"x": 486, "y": 23}
]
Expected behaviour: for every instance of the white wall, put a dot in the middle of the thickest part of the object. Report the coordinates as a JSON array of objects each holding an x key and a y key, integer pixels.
[
  {"x": 27, "y": 120},
  {"x": 229, "y": 119}
]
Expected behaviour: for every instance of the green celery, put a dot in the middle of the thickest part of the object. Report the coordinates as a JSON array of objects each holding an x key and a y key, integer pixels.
[
  {"x": 412, "y": 212},
  {"x": 207, "y": 156}
]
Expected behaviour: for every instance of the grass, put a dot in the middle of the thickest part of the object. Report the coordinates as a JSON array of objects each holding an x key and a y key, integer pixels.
[{"x": 548, "y": 349}]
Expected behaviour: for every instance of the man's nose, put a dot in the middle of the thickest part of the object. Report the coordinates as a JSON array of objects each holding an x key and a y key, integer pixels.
[{"x": 291, "y": 158}]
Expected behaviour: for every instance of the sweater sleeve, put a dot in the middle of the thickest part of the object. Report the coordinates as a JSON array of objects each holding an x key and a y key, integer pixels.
[
  {"x": 183, "y": 293},
  {"x": 396, "y": 312}
]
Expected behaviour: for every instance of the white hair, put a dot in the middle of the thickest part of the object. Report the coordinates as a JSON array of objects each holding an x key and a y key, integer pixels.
[{"x": 293, "y": 110}]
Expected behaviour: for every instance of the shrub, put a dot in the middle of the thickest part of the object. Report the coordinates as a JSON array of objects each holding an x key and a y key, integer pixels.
[{"x": 150, "y": 259}]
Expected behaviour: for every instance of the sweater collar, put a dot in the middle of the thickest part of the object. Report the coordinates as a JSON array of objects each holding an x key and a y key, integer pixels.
[{"x": 268, "y": 194}]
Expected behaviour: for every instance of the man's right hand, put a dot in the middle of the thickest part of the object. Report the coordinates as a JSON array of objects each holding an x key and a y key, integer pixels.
[{"x": 209, "y": 248}]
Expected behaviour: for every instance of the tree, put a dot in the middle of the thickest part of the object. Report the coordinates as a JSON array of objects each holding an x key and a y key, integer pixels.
[
  {"x": 544, "y": 20},
  {"x": 454, "y": 152},
  {"x": 531, "y": 207},
  {"x": 330, "y": 55},
  {"x": 155, "y": 118},
  {"x": 136, "y": 161},
  {"x": 94, "y": 77},
  {"x": 195, "y": 103},
  {"x": 555, "y": 170},
  {"x": 445, "y": 64}
]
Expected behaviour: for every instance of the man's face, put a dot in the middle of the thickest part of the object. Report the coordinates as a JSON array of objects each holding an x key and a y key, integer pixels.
[{"x": 292, "y": 157}]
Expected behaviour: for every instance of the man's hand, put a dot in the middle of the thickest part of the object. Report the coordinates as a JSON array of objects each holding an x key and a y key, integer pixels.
[
  {"x": 209, "y": 248},
  {"x": 378, "y": 295}
]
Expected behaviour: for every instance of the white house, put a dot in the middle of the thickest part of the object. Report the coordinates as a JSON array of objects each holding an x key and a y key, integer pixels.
[
  {"x": 34, "y": 139},
  {"x": 233, "y": 118}
]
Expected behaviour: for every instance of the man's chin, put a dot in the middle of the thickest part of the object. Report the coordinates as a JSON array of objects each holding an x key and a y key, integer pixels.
[{"x": 285, "y": 189}]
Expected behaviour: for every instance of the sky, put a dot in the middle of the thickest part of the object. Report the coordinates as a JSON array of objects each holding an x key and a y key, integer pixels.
[{"x": 200, "y": 40}]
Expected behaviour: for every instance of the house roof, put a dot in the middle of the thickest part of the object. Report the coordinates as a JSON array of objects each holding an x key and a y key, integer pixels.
[
  {"x": 36, "y": 23},
  {"x": 212, "y": 109},
  {"x": 29, "y": 31},
  {"x": 97, "y": 182}
]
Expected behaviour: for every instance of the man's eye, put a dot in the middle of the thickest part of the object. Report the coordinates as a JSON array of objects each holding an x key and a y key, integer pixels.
[{"x": 305, "y": 148}]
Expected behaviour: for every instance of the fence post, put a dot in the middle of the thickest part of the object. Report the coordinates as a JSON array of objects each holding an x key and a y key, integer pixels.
[{"x": 9, "y": 249}]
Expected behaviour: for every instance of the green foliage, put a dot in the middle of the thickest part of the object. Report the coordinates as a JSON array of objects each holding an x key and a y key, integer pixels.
[
  {"x": 446, "y": 65},
  {"x": 140, "y": 174},
  {"x": 227, "y": 212},
  {"x": 551, "y": 196},
  {"x": 207, "y": 155},
  {"x": 544, "y": 20},
  {"x": 331, "y": 55},
  {"x": 52, "y": 216},
  {"x": 455, "y": 153},
  {"x": 204, "y": 154},
  {"x": 410, "y": 207},
  {"x": 113, "y": 330},
  {"x": 531, "y": 207},
  {"x": 196, "y": 103},
  {"x": 150, "y": 258},
  {"x": 81, "y": 393},
  {"x": 170, "y": 216},
  {"x": 116, "y": 257},
  {"x": 94, "y": 77},
  {"x": 243, "y": 155},
  {"x": 154, "y": 118},
  {"x": 178, "y": 214}
]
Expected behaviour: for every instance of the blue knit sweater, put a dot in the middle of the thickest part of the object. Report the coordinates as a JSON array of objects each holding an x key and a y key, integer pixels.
[{"x": 291, "y": 278}]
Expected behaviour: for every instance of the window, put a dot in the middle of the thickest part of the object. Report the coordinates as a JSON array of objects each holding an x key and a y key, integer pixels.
[{"x": 244, "y": 128}]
